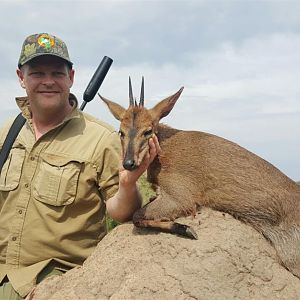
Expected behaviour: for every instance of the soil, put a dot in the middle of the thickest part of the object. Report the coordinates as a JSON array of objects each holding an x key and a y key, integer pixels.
[{"x": 230, "y": 260}]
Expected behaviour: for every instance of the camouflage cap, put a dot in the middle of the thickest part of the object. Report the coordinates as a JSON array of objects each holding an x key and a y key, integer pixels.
[{"x": 43, "y": 44}]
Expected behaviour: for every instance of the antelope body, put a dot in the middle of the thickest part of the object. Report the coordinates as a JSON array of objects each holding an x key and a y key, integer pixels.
[{"x": 197, "y": 169}]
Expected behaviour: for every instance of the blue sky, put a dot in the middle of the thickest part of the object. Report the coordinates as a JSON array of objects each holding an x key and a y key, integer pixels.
[{"x": 239, "y": 62}]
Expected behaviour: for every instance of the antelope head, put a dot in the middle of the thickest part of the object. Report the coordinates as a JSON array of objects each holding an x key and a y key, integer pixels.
[{"x": 138, "y": 124}]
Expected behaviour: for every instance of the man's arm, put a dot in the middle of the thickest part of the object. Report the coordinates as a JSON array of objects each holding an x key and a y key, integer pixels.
[{"x": 128, "y": 199}]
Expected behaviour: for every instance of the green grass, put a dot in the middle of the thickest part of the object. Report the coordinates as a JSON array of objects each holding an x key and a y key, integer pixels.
[
  {"x": 110, "y": 223},
  {"x": 146, "y": 192},
  {"x": 145, "y": 189}
]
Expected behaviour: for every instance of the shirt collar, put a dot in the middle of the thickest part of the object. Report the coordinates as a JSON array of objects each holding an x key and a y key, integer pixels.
[{"x": 23, "y": 104}]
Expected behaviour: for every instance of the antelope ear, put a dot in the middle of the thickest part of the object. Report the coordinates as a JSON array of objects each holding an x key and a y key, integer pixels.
[
  {"x": 117, "y": 110},
  {"x": 164, "y": 107}
]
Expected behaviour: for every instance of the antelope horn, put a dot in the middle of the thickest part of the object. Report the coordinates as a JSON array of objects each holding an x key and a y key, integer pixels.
[
  {"x": 142, "y": 93},
  {"x": 130, "y": 93}
]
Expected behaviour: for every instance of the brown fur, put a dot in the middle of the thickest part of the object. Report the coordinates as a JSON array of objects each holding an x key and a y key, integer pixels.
[{"x": 198, "y": 169}]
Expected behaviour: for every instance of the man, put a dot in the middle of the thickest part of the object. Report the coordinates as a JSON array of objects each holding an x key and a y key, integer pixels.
[{"x": 61, "y": 176}]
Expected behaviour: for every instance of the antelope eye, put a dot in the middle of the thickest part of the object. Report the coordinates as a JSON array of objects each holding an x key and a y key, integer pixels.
[
  {"x": 148, "y": 132},
  {"x": 121, "y": 134}
]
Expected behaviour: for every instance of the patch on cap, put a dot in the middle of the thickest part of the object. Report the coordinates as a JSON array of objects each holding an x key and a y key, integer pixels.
[{"x": 46, "y": 41}]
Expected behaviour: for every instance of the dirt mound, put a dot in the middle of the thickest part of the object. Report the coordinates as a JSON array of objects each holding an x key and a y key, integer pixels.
[{"x": 229, "y": 261}]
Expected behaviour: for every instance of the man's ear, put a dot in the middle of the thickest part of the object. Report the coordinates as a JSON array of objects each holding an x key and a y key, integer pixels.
[
  {"x": 21, "y": 78},
  {"x": 71, "y": 76}
]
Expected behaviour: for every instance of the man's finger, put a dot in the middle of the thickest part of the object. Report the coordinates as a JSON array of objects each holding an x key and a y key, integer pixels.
[
  {"x": 157, "y": 146},
  {"x": 154, "y": 147}
]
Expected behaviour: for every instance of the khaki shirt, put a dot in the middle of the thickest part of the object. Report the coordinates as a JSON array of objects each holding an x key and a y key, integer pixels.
[{"x": 52, "y": 195}]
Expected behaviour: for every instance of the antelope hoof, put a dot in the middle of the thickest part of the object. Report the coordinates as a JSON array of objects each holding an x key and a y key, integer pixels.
[
  {"x": 185, "y": 230},
  {"x": 191, "y": 233}
]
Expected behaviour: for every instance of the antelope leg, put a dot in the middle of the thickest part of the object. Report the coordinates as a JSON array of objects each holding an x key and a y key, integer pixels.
[{"x": 159, "y": 215}]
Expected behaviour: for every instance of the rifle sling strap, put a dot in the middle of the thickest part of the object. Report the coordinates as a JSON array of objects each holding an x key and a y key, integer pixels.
[{"x": 10, "y": 138}]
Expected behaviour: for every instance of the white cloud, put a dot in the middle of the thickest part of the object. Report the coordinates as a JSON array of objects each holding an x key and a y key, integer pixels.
[
  {"x": 240, "y": 71},
  {"x": 248, "y": 93}
]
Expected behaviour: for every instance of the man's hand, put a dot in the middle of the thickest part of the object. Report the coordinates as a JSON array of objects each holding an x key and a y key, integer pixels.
[
  {"x": 127, "y": 200},
  {"x": 131, "y": 177}
]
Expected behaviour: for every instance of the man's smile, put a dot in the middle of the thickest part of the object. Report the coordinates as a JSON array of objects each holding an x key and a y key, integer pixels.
[{"x": 48, "y": 92}]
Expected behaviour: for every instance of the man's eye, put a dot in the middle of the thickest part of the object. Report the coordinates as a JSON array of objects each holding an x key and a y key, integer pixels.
[
  {"x": 59, "y": 74},
  {"x": 36, "y": 74}
]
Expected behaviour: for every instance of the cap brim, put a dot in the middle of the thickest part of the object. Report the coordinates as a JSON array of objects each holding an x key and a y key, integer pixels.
[{"x": 70, "y": 64}]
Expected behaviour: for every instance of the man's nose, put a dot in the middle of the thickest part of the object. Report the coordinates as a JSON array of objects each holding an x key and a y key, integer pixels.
[{"x": 48, "y": 80}]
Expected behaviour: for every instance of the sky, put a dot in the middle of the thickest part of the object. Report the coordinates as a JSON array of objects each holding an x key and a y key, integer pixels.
[{"x": 239, "y": 63}]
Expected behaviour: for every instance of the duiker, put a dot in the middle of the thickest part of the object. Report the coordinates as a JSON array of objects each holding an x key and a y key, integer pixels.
[{"x": 198, "y": 169}]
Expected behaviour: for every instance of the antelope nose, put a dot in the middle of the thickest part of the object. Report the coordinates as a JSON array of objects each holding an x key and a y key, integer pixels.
[{"x": 129, "y": 164}]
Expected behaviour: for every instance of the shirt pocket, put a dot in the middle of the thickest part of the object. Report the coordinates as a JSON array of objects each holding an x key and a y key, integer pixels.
[
  {"x": 12, "y": 170},
  {"x": 56, "y": 181}
]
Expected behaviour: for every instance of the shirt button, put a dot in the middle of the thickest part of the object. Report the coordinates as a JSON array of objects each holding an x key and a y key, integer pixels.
[
  {"x": 14, "y": 238},
  {"x": 20, "y": 211},
  {"x": 26, "y": 185},
  {"x": 32, "y": 158}
]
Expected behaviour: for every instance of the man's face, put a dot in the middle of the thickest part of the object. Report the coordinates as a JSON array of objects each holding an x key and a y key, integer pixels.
[{"x": 47, "y": 80}]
